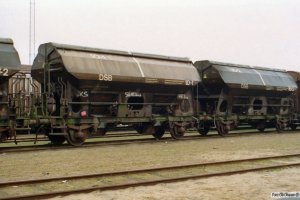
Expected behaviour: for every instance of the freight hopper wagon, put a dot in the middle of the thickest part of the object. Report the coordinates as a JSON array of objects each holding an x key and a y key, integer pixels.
[
  {"x": 296, "y": 99},
  {"x": 87, "y": 91},
  {"x": 9, "y": 65},
  {"x": 236, "y": 94}
]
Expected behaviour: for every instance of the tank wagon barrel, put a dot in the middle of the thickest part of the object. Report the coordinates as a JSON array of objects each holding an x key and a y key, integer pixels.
[
  {"x": 90, "y": 90},
  {"x": 240, "y": 93}
]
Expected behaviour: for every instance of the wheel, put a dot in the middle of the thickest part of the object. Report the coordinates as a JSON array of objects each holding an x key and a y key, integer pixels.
[
  {"x": 293, "y": 127},
  {"x": 139, "y": 129},
  {"x": 203, "y": 131},
  {"x": 221, "y": 128},
  {"x": 159, "y": 131},
  {"x": 76, "y": 137},
  {"x": 177, "y": 132},
  {"x": 279, "y": 127},
  {"x": 3, "y": 136},
  {"x": 101, "y": 131},
  {"x": 57, "y": 139},
  {"x": 261, "y": 127},
  {"x": 145, "y": 129}
]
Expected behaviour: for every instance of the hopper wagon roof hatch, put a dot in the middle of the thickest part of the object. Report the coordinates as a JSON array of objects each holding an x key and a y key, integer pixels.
[
  {"x": 246, "y": 77},
  {"x": 110, "y": 65}
]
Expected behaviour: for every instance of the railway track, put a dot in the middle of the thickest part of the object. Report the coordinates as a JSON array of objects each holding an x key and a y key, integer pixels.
[
  {"x": 140, "y": 177},
  {"x": 118, "y": 133},
  {"x": 19, "y": 149},
  {"x": 45, "y": 139}
]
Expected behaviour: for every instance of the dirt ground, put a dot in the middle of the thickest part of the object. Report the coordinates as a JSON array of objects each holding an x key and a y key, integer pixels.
[{"x": 16, "y": 166}]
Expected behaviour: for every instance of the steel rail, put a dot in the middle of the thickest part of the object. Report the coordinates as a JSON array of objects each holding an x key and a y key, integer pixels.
[
  {"x": 4, "y": 184},
  {"x": 43, "y": 147},
  {"x": 148, "y": 182},
  {"x": 45, "y": 139},
  {"x": 112, "y": 135},
  {"x": 19, "y": 149}
]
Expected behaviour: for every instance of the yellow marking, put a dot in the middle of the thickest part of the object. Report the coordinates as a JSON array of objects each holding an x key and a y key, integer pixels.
[
  {"x": 151, "y": 80},
  {"x": 174, "y": 82}
]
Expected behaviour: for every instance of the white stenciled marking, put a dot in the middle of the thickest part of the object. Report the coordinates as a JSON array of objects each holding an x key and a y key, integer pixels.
[
  {"x": 3, "y": 71},
  {"x": 259, "y": 75},
  {"x": 140, "y": 68},
  {"x": 96, "y": 56}
]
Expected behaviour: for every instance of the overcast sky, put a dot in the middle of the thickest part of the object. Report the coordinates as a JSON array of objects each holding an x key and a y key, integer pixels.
[{"x": 253, "y": 32}]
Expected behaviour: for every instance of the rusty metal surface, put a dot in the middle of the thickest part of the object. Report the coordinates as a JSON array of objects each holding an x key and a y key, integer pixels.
[
  {"x": 247, "y": 77},
  {"x": 109, "y": 65},
  {"x": 9, "y": 58},
  {"x": 23, "y": 82},
  {"x": 296, "y": 77}
]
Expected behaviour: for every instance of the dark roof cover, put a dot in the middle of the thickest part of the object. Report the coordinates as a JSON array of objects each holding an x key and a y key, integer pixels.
[
  {"x": 247, "y": 77},
  {"x": 86, "y": 63},
  {"x": 9, "y": 58}
]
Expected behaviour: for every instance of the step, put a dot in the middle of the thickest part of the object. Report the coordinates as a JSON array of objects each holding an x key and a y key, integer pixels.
[
  {"x": 22, "y": 129},
  {"x": 59, "y": 127}
]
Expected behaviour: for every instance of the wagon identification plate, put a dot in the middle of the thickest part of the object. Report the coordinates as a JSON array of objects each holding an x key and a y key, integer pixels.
[{"x": 3, "y": 71}]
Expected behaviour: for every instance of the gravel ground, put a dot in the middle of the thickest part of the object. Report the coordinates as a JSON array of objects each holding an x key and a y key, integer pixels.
[
  {"x": 236, "y": 187},
  {"x": 16, "y": 166}
]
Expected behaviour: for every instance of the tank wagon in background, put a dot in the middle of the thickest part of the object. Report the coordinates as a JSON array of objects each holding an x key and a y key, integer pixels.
[
  {"x": 88, "y": 91},
  {"x": 9, "y": 65}
]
